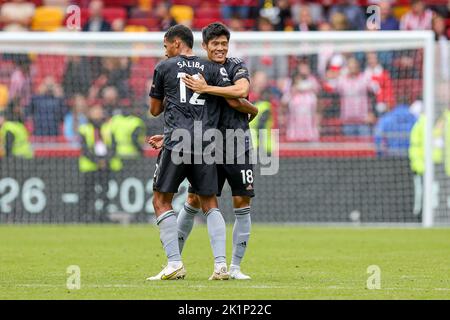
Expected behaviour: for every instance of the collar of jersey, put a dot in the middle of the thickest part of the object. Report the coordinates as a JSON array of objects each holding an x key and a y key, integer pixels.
[{"x": 187, "y": 57}]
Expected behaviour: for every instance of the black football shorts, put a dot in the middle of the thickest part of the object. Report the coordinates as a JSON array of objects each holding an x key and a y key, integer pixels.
[
  {"x": 240, "y": 177},
  {"x": 168, "y": 175}
]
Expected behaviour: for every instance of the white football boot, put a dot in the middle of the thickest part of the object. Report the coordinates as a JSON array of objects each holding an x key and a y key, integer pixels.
[
  {"x": 170, "y": 273},
  {"x": 220, "y": 272},
  {"x": 236, "y": 273}
]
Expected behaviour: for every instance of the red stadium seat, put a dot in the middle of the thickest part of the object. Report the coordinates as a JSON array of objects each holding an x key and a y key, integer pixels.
[
  {"x": 249, "y": 23},
  {"x": 208, "y": 12},
  {"x": 190, "y": 3},
  {"x": 199, "y": 23},
  {"x": 150, "y": 23},
  {"x": 84, "y": 15},
  {"x": 120, "y": 3},
  {"x": 37, "y": 3},
  {"x": 139, "y": 13},
  {"x": 48, "y": 139},
  {"x": 111, "y": 14},
  {"x": 214, "y": 3},
  {"x": 412, "y": 88},
  {"x": 249, "y": 3},
  {"x": 50, "y": 65},
  {"x": 141, "y": 71}
]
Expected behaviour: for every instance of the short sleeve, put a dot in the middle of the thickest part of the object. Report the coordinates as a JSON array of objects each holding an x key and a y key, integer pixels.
[
  {"x": 240, "y": 71},
  {"x": 157, "y": 88}
]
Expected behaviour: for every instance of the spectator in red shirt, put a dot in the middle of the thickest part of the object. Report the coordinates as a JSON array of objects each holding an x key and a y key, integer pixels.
[
  {"x": 418, "y": 18},
  {"x": 375, "y": 72}
]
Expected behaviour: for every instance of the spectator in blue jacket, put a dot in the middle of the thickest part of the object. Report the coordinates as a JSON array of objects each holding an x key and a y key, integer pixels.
[
  {"x": 393, "y": 130},
  {"x": 356, "y": 17},
  {"x": 47, "y": 108},
  {"x": 388, "y": 21}
]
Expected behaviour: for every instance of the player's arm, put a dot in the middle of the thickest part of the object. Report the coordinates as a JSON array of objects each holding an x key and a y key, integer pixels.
[
  {"x": 156, "y": 106},
  {"x": 156, "y": 141},
  {"x": 239, "y": 89},
  {"x": 244, "y": 106},
  {"x": 157, "y": 92}
]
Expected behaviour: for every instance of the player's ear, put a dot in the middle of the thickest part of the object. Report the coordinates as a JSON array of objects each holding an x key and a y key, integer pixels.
[{"x": 204, "y": 46}]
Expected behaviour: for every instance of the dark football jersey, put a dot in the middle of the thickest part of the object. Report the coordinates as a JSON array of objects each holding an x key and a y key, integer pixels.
[
  {"x": 229, "y": 117},
  {"x": 182, "y": 106}
]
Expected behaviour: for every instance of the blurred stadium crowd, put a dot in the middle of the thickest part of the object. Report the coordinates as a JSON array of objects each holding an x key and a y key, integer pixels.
[
  {"x": 327, "y": 96},
  {"x": 257, "y": 15}
]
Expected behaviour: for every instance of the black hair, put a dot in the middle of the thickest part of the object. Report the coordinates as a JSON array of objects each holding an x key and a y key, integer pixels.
[
  {"x": 214, "y": 30},
  {"x": 182, "y": 32}
]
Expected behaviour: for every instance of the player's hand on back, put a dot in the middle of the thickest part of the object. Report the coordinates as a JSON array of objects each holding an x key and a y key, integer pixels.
[
  {"x": 156, "y": 141},
  {"x": 196, "y": 83}
]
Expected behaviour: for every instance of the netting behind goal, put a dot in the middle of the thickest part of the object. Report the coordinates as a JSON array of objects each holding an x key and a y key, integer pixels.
[{"x": 345, "y": 105}]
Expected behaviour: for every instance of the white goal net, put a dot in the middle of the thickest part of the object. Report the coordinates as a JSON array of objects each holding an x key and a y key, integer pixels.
[{"x": 360, "y": 116}]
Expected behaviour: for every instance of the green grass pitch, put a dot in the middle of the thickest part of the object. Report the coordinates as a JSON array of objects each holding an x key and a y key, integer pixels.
[{"x": 286, "y": 262}]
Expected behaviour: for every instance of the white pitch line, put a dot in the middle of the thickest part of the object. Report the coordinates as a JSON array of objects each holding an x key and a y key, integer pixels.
[
  {"x": 42, "y": 285},
  {"x": 154, "y": 284}
]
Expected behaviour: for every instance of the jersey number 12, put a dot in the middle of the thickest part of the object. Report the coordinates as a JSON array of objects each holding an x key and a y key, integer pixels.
[{"x": 194, "y": 99}]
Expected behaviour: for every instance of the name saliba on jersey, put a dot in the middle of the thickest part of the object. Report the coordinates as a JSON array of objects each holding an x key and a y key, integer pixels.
[
  {"x": 191, "y": 64},
  {"x": 198, "y": 65}
]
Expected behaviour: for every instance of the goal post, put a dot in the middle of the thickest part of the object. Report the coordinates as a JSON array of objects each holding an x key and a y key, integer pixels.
[
  {"x": 332, "y": 169},
  {"x": 428, "y": 96}
]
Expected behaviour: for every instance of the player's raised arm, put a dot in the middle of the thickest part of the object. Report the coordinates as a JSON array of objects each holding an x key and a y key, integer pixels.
[{"x": 239, "y": 89}]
